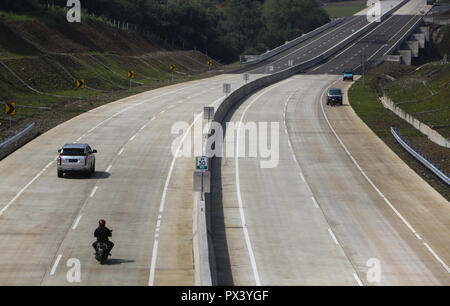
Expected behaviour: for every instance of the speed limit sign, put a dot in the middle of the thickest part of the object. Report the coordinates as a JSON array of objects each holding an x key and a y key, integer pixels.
[{"x": 202, "y": 163}]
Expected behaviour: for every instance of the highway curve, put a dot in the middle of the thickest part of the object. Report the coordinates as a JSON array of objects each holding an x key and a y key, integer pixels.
[
  {"x": 329, "y": 208},
  {"x": 45, "y": 221}
]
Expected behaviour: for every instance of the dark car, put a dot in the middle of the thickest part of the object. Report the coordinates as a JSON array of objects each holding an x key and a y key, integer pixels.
[
  {"x": 334, "y": 96},
  {"x": 348, "y": 75}
]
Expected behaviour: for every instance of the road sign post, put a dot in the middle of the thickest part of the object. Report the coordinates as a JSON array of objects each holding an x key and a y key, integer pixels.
[
  {"x": 80, "y": 83},
  {"x": 172, "y": 68},
  {"x": 10, "y": 109},
  {"x": 202, "y": 175},
  {"x": 208, "y": 113},
  {"x": 202, "y": 182},
  {"x": 246, "y": 77},
  {"x": 363, "y": 60},
  {"x": 131, "y": 75},
  {"x": 202, "y": 163},
  {"x": 226, "y": 88}
]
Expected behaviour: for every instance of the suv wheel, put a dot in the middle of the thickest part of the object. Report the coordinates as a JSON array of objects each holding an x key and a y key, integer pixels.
[{"x": 60, "y": 173}]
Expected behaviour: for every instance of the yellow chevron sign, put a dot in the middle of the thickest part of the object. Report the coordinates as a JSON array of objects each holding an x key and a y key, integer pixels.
[
  {"x": 10, "y": 108},
  {"x": 80, "y": 83},
  {"x": 210, "y": 62},
  {"x": 172, "y": 67},
  {"x": 131, "y": 74}
]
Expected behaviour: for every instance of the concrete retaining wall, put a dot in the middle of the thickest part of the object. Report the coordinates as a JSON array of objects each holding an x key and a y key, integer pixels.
[
  {"x": 422, "y": 127},
  {"x": 437, "y": 20}
]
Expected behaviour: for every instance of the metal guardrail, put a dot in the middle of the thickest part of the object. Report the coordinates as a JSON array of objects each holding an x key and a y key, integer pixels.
[
  {"x": 420, "y": 157},
  {"x": 17, "y": 136}
]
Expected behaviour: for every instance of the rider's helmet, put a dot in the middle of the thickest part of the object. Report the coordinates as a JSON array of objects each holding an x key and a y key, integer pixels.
[{"x": 102, "y": 222}]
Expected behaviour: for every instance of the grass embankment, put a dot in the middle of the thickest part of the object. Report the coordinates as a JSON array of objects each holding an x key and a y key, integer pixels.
[
  {"x": 425, "y": 94},
  {"x": 49, "y": 54},
  {"x": 344, "y": 8},
  {"x": 393, "y": 78}
]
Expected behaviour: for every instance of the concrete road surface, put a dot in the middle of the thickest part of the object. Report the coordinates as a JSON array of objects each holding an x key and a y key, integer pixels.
[
  {"x": 333, "y": 211},
  {"x": 320, "y": 43},
  {"x": 47, "y": 223},
  {"x": 375, "y": 43}
]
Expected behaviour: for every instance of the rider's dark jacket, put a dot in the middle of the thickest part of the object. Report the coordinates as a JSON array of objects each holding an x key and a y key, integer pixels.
[{"x": 102, "y": 234}]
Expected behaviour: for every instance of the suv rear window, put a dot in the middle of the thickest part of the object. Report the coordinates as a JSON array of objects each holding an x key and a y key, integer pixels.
[
  {"x": 72, "y": 152},
  {"x": 335, "y": 92}
]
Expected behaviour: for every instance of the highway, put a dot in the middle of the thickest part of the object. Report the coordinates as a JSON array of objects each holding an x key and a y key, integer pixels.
[
  {"x": 376, "y": 42},
  {"x": 372, "y": 46},
  {"x": 45, "y": 221},
  {"x": 328, "y": 208},
  {"x": 318, "y": 44},
  {"x": 337, "y": 201}
]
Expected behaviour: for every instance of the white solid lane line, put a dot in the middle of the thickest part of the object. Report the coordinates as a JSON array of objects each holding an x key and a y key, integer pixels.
[
  {"x": 302, "y": 177},
  {"x": 437, "y": 257},
  {"x": 55, "y": 265},
  {"x": 238, "y": 187},
  {"x": 445, "y": 266},
  {"x": 313, "y": 198},
  {"x": 315, "y": 202},
  {"x": 357, "y": 279},
  {"x": 163, "y": 198}
]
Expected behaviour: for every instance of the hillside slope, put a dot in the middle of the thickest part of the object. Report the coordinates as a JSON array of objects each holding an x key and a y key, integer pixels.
[{"x": 41, "y": 58}]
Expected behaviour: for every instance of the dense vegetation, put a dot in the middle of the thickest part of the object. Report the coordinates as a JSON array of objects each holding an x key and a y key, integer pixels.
[{"x": 222, "y": 28}]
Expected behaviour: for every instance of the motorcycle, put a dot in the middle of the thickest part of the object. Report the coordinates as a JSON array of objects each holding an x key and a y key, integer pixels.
[{"x": 101, "y": 252}]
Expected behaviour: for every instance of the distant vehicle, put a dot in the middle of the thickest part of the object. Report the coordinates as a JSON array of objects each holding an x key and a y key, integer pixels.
[
  {"x": 348, "y": 75},
  {"x": 334, "y": 96},
  {"x": 76, "y": 158}
]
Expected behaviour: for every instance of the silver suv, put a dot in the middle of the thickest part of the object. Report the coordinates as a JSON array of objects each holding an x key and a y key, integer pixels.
[{"x": 76, "y": 158}]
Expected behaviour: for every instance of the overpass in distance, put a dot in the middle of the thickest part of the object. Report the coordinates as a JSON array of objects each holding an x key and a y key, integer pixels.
[{"x": 338, "y": 199}]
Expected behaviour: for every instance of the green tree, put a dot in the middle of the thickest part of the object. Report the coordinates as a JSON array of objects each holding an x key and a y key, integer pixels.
[{"x": 288, "y": 19}]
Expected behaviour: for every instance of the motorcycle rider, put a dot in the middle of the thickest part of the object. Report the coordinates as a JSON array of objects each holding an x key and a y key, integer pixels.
[{"x": 102, "y": 233}]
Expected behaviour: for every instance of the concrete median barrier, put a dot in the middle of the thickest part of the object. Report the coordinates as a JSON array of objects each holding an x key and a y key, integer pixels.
[{"x": 203, "y": 257}]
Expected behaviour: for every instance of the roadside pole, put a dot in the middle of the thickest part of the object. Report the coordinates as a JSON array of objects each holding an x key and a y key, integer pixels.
[{"x": 363, "y": 60}]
